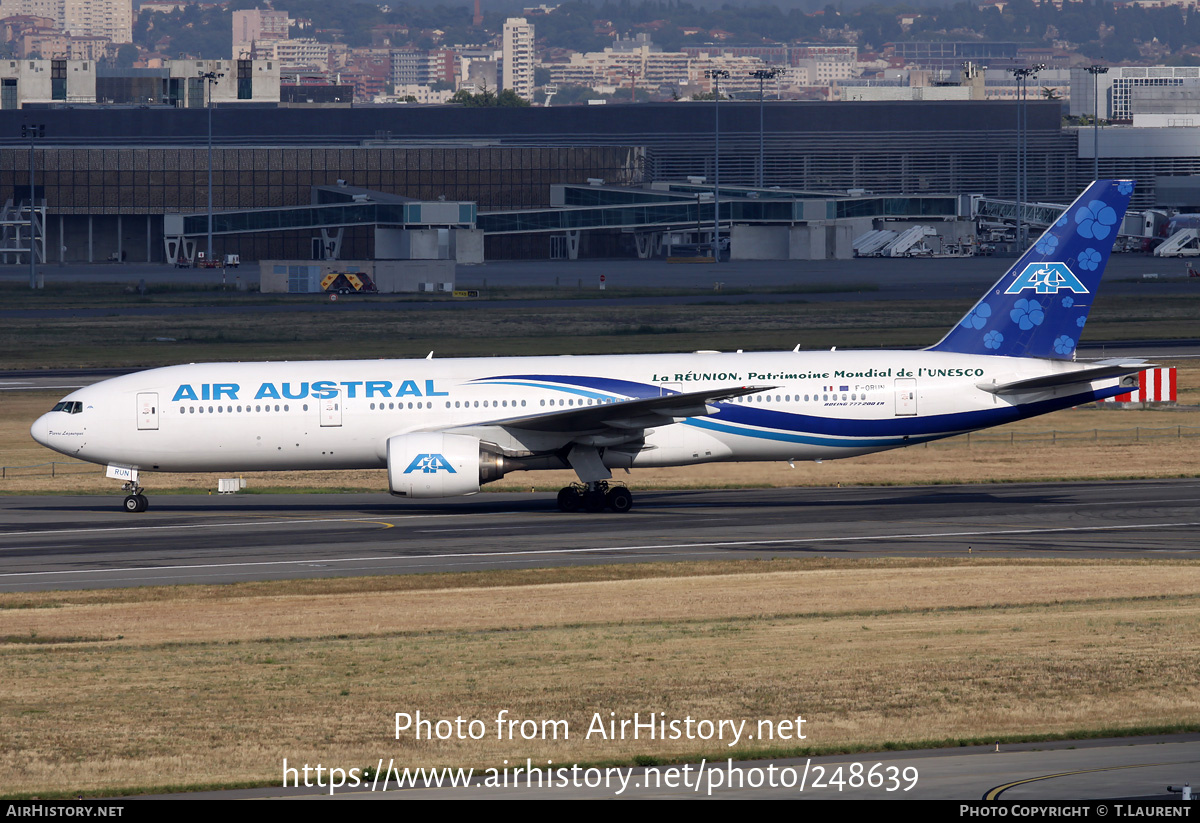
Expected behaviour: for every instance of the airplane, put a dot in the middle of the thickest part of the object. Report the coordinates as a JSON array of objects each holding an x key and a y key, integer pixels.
[{"x": 443, "y": 428}]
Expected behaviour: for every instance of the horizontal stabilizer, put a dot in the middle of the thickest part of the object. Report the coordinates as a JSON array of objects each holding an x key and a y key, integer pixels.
[{"x": 1098, "y": 371}]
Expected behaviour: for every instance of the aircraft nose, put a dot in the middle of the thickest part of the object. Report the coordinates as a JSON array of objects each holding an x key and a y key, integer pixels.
[{"x": 40, "y": 431}]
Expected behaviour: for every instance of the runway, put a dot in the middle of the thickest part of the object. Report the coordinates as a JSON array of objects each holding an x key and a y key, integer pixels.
[
  {"x": 1130, "y": 775},
  {"x": 89, "y": 542}
]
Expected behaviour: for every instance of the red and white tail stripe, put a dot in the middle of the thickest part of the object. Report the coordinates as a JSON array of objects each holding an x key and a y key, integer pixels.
[{"x": 1154, "y": 386}]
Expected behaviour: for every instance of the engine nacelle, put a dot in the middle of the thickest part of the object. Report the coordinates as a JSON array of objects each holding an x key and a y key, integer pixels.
[{"x": 435, "y": 464}]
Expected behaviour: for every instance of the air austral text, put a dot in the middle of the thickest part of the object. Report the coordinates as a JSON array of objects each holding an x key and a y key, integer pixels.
[{"x": 318, "y": 389}]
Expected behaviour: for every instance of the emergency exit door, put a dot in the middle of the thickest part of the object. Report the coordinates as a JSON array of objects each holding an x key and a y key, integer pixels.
[
  {"x": 906, "y": 396},
  {"x": 147, "y": 405},
  {"x": 331, "y": 410}
]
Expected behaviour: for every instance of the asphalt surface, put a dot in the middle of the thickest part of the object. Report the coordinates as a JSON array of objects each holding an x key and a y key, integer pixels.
[
  {"x": 90, "y": 542},
  {"x": 1130, "y": 775}
]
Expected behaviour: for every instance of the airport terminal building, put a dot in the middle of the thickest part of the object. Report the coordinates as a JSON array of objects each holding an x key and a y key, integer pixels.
[{"x": 108, "y": 176}]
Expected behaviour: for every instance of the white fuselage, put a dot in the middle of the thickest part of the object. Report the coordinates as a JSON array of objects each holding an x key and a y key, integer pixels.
[{"x": 340, "y": 414}]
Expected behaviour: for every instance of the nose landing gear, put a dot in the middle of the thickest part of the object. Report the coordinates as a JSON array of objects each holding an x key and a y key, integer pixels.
[{"x": 135, "y": 501}]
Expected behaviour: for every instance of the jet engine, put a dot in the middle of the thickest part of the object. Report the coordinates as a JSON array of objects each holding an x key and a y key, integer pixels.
[{"x": 436, "y": 464}]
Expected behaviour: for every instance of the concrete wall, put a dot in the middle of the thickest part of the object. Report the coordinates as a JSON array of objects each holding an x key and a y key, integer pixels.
[
  {"x": 759, "y": 243},
  {"x": 408, "y": 244},
  {"x": 806, "y": 242},
  {"x": 816, "y": 240},
  {"x": 466, "y": 245},
  {"x": 393, "y": 276}
]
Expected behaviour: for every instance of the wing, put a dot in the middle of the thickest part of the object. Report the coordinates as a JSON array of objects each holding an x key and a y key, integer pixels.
[
  {"x": 621, "y": 418},
  {"x": 579, "y": 436}
]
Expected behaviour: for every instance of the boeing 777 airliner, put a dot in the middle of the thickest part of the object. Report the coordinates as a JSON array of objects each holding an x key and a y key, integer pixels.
[{"x": 445, "y": 427}]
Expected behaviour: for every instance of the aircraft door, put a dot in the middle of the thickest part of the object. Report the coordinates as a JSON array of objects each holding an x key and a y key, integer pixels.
[
  {"x": 331, "y": 410},
  {"x": 147, "y": 404},
  {"x": 906, "y": 396}
]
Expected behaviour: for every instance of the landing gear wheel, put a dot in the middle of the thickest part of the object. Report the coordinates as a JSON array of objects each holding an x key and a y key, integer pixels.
[
  {"x": 619, "y": 499},
  {"x": 136, "y": 503},
  {"x": 145, "y": 502},
  {"x": 569, "y": 499},
  {"x": 593, "y": 500}
]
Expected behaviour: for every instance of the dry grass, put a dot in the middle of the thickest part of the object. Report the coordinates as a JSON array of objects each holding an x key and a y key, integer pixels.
[{"x": 202, "y": 685}]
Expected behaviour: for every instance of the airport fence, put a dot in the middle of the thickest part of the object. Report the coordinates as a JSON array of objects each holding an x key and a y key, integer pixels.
[
  {"x": 51, "y": 469},
  {"x": 1013, "y": 437}
]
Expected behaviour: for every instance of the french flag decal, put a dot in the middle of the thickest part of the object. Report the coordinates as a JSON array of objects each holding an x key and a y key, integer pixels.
[{"x": 1154, "y": 386}]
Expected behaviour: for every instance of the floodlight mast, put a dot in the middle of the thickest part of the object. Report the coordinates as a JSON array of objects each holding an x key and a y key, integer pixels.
[
  {"x": 762, "y": 75},
  {"x": 1095, "y": 72},
  {"x": 715, "y": 75},
  {"x": 210, "y": 77}
]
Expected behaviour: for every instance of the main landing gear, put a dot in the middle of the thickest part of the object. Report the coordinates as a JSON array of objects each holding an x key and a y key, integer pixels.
[
  {"x": 135, "y": 501},
  {"x": 595, "y": 497}
]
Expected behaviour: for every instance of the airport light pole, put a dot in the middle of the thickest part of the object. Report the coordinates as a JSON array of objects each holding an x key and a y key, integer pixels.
[
  {"x": 715, "y": 75},
  {"x": 209, "y": 78},
  {"x": 1095, "y": 72},
  {"x": 762, "y": 75},
  {"x": 32, "y": 131},
  {"x": 1022, "y": 75}
]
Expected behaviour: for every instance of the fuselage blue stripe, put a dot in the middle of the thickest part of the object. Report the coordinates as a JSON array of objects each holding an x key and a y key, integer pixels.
[
  {"x": 925, "y": 427},
  {"x": 810, "y": 439}
]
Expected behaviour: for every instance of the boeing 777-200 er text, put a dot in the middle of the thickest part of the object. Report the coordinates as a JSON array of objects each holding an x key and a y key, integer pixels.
[{"x": 444, "y": 427}]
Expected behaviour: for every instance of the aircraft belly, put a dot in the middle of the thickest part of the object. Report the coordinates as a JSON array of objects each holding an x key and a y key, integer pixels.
[{"x": 261, "y": 444}]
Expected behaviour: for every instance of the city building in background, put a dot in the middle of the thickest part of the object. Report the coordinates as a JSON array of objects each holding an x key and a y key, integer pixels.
[{"x": 517, "y": 49}]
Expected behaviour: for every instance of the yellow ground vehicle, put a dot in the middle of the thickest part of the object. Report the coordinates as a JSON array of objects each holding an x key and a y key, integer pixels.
[{"x": 345, "y": 282}]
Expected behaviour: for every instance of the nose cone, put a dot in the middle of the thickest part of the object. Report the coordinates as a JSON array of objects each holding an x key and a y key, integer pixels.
[{"x": 40, "y": 431}]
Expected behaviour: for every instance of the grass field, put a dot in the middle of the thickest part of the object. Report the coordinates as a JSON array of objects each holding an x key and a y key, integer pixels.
[{"x": 203, "y": 685}]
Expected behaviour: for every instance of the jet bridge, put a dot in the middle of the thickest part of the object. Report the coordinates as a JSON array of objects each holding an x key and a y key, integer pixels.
[{"x": 1041, "y": 215}]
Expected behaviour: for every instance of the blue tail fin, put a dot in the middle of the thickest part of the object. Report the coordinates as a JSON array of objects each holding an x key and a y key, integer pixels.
[{"x": 1038, "y": 308}]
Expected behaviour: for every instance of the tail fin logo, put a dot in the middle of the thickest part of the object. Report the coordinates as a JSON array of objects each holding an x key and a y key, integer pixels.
[{"x": 1046, "y": 278}]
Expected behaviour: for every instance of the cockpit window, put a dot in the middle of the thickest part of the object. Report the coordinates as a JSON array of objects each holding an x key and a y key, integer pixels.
[{"x": 69, "y": 406}]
